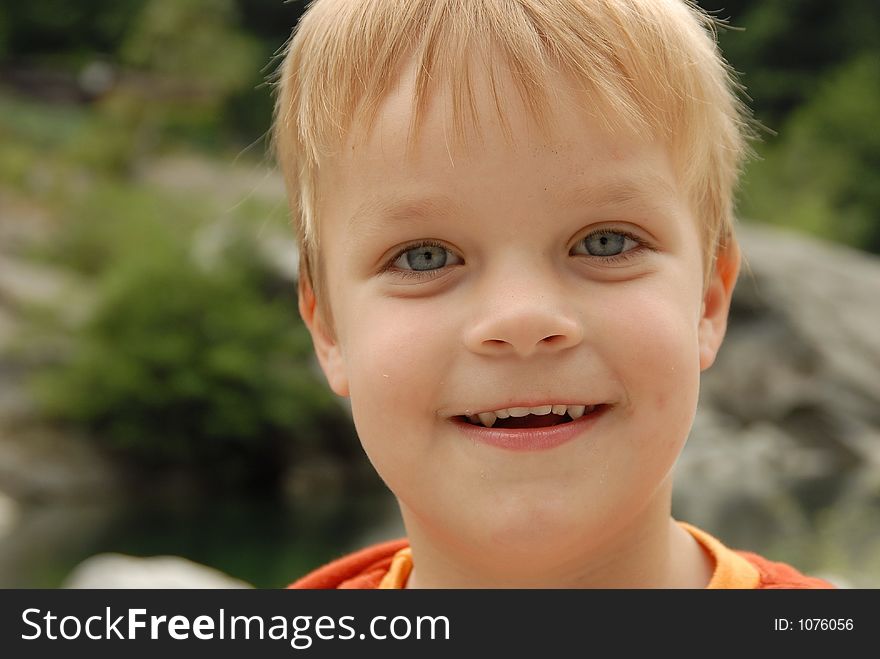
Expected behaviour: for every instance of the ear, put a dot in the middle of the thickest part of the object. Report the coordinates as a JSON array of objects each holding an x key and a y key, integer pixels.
[
  {"x": 716, "y": 302},
  {"x": 326, "y": 345}
]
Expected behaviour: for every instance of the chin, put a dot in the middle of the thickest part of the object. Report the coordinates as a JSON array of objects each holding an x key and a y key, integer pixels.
[{"x": 536, "y": 534}]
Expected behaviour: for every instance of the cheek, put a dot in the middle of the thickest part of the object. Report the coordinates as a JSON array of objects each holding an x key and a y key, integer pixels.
[
  {"x": 400, "y": 339},
  {"x": 397, "y": 354},
  {"x": 658, "y": 357}
]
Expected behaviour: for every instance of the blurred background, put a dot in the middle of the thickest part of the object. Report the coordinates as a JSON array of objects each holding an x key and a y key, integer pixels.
[{"x": 158, "y": 394}]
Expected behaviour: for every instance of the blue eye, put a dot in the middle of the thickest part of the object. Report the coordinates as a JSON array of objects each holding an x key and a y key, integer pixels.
[
  {"x": 606, "y": 243},
  {"x": 423, "y": 259}
]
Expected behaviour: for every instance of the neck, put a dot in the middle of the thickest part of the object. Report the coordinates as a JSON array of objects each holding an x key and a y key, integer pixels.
[{"x": 649, "y": 551}]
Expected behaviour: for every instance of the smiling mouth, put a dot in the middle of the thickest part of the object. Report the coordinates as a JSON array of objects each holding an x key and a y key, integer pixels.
[{"x": 532, "y": 420}]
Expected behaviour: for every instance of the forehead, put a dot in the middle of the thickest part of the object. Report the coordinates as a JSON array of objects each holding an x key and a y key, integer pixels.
[
  {"x": 397, "y": 168},
  {"x": 489, "y": 111}
]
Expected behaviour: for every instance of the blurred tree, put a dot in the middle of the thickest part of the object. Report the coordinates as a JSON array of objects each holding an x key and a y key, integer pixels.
[
  {"x": 249, "y": 110},
  {"x": 85, "y": 27},
  {"x": 195, "y": 40},
  {"x": 188, "y": 366},
  {"x": 184, "y": 60},
  {"x": 271, "y": 20},
  {"x": 784, "y": 49},
  {"x": 823, "y": 174}
]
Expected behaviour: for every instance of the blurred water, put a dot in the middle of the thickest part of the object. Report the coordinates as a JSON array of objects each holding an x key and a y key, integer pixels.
[{"x": 264, "y": 542}]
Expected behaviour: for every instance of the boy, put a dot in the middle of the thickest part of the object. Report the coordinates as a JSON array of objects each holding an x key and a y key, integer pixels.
[{"x": 517, "y": 256}]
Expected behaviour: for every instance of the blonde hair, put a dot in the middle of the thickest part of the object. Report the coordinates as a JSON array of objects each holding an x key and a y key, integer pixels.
[{"x": 650, "y": 66}]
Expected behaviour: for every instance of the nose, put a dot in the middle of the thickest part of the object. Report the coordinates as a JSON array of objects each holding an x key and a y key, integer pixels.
[{"x": 528, "y": 319}]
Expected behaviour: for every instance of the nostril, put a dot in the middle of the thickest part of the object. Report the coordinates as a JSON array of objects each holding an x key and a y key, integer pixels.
[{"x": 552, "y": 342}]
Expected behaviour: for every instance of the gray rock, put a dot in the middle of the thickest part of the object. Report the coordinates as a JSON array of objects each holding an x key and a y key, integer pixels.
[
  {"x": 803, "y": 333},
  {"x": 802, "y": 352},
  {"x": 39, "y": 463},
  {"x": 121, "y": 571},
  {"x": 23, "y": 281},
  {"x": 787, "y": 435},
  {"x": 9, "y": 513}
]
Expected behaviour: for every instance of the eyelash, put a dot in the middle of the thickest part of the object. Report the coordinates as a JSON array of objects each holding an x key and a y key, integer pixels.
[
  {"x": 413, "y": 274},
  {"x": 426, "y": 274},
  {"x": 641, "y": 245}
]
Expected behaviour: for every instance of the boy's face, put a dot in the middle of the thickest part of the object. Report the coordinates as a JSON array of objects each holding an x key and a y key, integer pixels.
[{"x": 520, "y": 300}]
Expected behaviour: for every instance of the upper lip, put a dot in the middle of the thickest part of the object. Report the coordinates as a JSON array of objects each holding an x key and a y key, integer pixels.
[{"x": 504, "y": 406}]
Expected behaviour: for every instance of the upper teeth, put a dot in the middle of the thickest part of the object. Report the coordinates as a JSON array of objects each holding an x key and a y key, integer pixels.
[{"x": 488, "y": 418}]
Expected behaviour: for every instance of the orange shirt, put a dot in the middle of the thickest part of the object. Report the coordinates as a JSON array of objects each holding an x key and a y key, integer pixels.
[{"x": 387, "y": 566}]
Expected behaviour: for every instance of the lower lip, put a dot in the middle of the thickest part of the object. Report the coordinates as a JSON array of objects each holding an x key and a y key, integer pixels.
[{"x": 531, "y": 439}]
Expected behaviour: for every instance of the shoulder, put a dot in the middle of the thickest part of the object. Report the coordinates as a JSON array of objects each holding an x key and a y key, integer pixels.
[
  {"x": 776, "y": 575},
  {"x": 362, "y": 569}
]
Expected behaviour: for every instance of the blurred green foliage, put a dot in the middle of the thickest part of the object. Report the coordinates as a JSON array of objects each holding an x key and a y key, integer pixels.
[
  {"x": 783, "y": 50},
  {"x": 179, "y": 355},
  {"x": 215, "y": 57},
  {"x": 178, "y": 89},
  {"x": 190, "y": 69},
  {"x": 811, "y": 70},
  {"x": 189, "y": 364},
  {"x": 823, "y": 173},
  {"x": 116, "y": 224},
  {"x": 74, "y": 29},
  {"x": 46, "y": 147}
]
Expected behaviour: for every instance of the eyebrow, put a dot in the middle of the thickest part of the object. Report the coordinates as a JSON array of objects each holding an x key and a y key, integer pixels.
[
  {"x": 620, "y": 192},
  {"x": 401, "y": 207}
]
